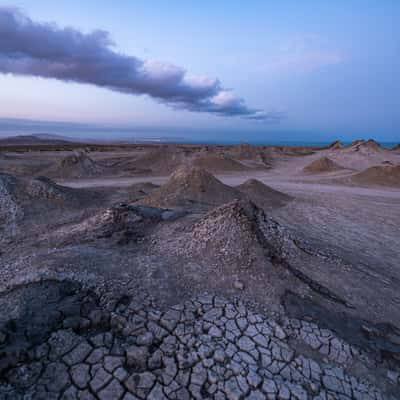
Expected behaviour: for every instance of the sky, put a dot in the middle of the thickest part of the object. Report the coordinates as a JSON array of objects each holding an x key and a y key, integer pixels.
[{"x": 254, "y": 70}]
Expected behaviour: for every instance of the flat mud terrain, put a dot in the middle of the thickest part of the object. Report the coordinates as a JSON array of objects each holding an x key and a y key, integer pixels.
[{"x": 199, "y": 272}]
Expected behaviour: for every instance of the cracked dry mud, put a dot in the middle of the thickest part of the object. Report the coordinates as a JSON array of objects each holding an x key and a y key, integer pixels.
[{"x": 84, "y": 345}]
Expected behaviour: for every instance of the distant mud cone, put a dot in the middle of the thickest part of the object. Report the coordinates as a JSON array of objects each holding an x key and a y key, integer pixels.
[
  {"x": 163, "y": 159},
  {"x": 214, "y": 162},
  {"x": 323, "y": 164},
  {"x": 336, "y": 145},
  {"x": 368, "y": 147},
  {"x": 381, "y": 175},
  {"x": 76, "y": 165},
  {"x": 248, "y": 153}
]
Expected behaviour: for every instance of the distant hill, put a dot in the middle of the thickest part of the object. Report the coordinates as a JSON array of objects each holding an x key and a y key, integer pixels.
[{"x": 38, "y": 139}]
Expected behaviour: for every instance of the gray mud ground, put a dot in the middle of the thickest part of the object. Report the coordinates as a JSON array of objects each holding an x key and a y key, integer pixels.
[{"x": 105, "y": 299}]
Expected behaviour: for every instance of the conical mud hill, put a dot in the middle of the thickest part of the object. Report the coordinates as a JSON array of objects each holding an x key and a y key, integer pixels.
[
  {"x": 228, "y": 234},
  {"x": 164, "y": 159},
  {"x": 76, "y": 165},
  {"x": 189, "y": 186},
  {"x": 251, "y": 155},
  {"x": 336, "y": 145},
  {"x": 214, "y": 162},
  {"x": 323, "y": 164},
  {"x": 262, "y": 195}
]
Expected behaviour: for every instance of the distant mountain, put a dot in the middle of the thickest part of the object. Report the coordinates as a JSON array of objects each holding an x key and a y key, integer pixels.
[
  {"x": 38, "y": 139},
  {"x": 49, "y": 138}
]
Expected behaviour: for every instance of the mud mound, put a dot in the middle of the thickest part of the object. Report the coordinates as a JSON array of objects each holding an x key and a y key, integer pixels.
[
  {"x": 382, "y": 175},
  {"x": 76, "y": 165},
  {"x": 336, "y": 145},
  {"x": 323, "y": 164},
  {"x": 369, "y": 146},
  {"x": 250, "y": 155},
  {"x": 262, "y": 195},
  {"x": 45, "y": 189},
  {"x": 227, "y": 235},
  {"x": 213, "y": 162},
  {"x": 189, "y": 187},
  {"x": 24, "y": 199},
  {"x": 166, "y": 159},
  {"x": 163, "y": 159}
]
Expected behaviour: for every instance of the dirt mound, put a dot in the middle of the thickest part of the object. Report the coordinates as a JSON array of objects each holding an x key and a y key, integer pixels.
[
  {"x": 23, "y": 199},
  {"x": 214, "y": 162},
  {"x": 323, "y": 164},
  {"x": 262, "y": 195},
  {"x": 76, "y": 165},
  {"x": 163, "y": 159},
  {"x": 227, "y": 234},
  {"x": 251, "y": 155},
  {"x": 336, "y": 145},
  {"x": 192, "y": 187},
  {"x": 166, "y": 159},
  {"x": 382, "y": 175},
  {"x": 368, "y": 146}
]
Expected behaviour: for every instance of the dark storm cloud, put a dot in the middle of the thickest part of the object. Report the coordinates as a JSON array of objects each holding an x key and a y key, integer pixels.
[{"x": 45, "y": 50}]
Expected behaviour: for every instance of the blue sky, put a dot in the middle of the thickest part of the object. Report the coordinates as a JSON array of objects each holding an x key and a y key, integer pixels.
[{"x": 329, "y": 68}]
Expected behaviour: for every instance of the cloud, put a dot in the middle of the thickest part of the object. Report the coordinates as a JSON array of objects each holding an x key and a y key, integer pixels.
[{"x": 45, "y": 50}]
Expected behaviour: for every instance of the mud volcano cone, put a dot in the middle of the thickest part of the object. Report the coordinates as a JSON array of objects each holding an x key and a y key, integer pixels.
[{"x": 192, "y": 186}]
